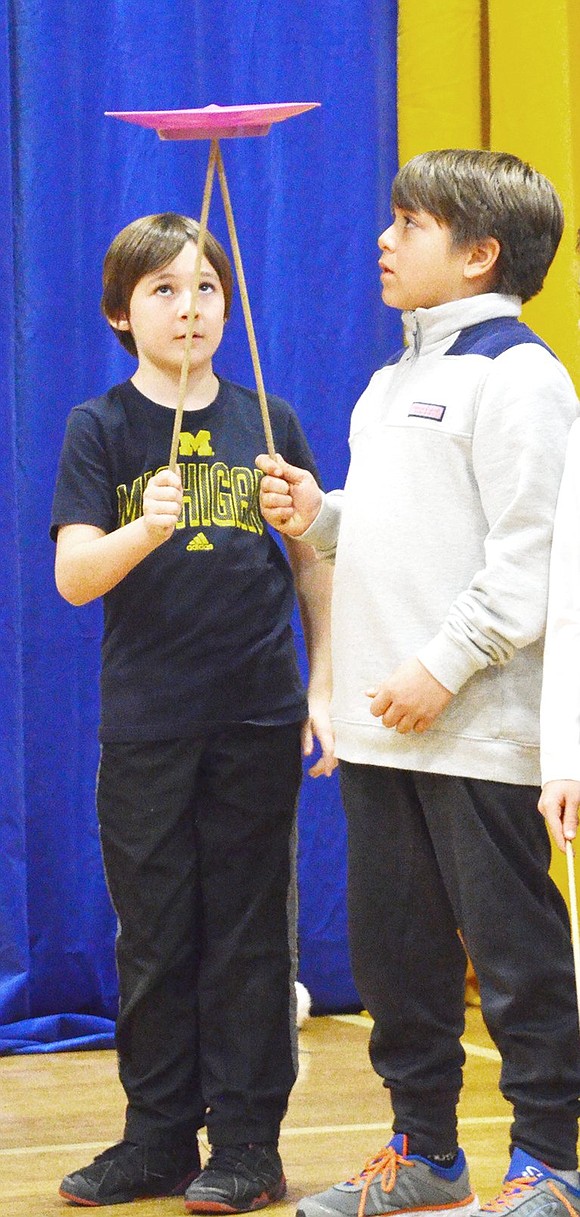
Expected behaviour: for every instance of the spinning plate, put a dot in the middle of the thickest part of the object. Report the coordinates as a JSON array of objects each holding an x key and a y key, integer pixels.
[{"x": 214, "y": 122}]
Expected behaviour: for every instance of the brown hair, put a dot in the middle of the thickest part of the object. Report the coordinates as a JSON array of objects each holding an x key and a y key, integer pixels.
[
  {"x": 146, "y": 245},
  {"x": 488, "y": 194}
]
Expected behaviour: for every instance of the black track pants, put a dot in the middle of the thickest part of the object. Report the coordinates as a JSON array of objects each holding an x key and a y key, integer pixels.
[
  {"x": 197, "y": 838},
  {"x": 429, "y": 854}
]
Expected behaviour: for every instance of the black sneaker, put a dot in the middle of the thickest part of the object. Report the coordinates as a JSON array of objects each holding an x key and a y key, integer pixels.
[
  {"x": 131, "y": 1172},
  {"x": 237, "y": 1179}
]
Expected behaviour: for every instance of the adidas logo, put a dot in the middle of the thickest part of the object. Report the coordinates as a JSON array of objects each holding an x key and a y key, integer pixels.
[{"x": 199, "y": 543}]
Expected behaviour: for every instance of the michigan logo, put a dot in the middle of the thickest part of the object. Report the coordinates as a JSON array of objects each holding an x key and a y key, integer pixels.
[
  {"x": 195, "y": 445},
  {"x": 213, "y": 494}
]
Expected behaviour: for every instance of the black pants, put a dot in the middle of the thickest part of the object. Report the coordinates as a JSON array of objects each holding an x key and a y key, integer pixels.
[
  {"x": 429, "y": 854},
  {"x": 197, "y": 839}
]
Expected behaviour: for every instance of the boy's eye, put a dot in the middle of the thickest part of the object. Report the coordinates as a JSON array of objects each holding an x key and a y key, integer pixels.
[
  {"x": 163, "y": 289},
  {"x": 206, "y": 286}
]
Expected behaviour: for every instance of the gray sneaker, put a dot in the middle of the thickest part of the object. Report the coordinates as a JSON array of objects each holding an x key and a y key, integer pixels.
[
  {"x": 397, "y": 1182},
  {"x": 534, "y": 1190}
]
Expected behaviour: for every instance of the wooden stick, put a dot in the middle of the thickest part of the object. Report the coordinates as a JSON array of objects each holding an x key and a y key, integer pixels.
[
  {"x": 213, "y": 155},
  {"x": 245, "y": 304},
  {"x": 574, "y": 918}
]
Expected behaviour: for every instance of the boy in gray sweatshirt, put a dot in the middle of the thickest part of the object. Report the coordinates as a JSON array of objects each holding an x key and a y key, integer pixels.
[{"x": 441, "y": 541}]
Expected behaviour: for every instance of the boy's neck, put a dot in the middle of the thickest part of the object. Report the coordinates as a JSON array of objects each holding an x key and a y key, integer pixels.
[
  {"x": 163, "y": 387},
  {"x": 468, "y": 301}
]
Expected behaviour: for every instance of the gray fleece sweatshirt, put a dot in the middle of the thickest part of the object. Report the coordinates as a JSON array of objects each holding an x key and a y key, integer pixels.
[{"x": 441, "y": 539}]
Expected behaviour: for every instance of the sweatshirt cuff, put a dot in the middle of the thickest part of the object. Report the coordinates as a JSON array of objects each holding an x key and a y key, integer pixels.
[
  {"x": 449, "y": 663},
  {"x": 322, "y": 534}
]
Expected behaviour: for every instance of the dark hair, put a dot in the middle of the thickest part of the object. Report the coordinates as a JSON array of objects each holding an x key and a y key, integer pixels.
[
  {"x": 488, "y": 194},
  {"x": 146, "y": 245}
]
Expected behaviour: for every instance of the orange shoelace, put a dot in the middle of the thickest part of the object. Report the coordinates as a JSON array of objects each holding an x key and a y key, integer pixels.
[
  {"x": 386, "y": 1164},
  {"x": 512, "y": 1190}
]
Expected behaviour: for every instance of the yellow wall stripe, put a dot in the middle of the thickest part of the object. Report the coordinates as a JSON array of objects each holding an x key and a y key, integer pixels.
[
  {"x": 534, "y": 112},
  {"x": 439, "y": 66}
]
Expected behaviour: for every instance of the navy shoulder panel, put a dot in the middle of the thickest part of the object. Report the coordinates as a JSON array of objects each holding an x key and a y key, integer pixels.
[{"x": 491, "y": 338}]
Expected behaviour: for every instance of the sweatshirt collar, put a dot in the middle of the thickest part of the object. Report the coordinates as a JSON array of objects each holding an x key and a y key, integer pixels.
[{"x": 425, "y": 328}]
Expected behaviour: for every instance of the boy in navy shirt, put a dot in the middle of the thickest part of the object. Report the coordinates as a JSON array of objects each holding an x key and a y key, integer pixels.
[{"x": 203, "y": 710}]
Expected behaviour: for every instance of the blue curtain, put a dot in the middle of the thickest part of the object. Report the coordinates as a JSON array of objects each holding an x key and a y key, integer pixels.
[{"x": 309, "y": 200}]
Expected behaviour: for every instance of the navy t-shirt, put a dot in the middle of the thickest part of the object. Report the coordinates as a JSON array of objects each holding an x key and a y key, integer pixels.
[{"x": 199, "y": 632}]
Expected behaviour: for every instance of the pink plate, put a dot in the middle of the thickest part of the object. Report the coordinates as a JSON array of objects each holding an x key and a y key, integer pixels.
[{"x": 214, "y": 122}]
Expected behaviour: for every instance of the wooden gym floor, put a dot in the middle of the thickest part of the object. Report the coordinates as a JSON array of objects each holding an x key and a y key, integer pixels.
[{"x": 58, "y": 1110}]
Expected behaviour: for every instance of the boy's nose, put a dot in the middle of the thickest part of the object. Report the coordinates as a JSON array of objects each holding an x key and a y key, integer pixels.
[
  {"x": 386, "y": 239},
  {"x": 185, "y": 304}
]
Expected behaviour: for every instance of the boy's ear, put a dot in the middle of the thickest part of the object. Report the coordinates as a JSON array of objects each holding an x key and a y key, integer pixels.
[
  {"x": 119, "y": 323},
  {"x": 481, "y": 258}
]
